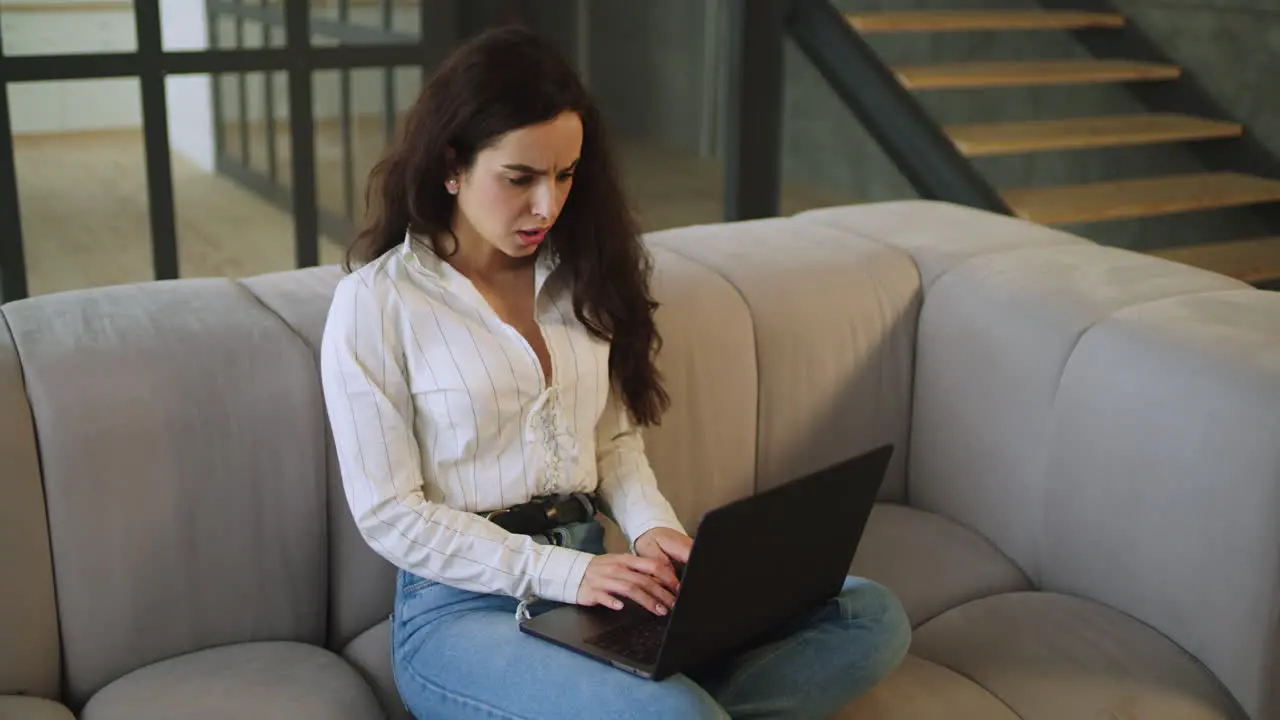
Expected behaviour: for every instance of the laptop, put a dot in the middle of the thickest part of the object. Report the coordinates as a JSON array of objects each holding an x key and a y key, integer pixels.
[{"x": 757, "y": 565}]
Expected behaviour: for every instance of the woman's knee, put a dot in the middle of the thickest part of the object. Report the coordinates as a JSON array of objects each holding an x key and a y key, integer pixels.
[{"x": 870, "y": 608}]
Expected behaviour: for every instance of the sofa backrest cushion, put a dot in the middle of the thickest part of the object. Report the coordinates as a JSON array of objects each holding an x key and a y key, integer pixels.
[
  {"x": 28, "y": 616},
  {"x": 361, "y": 582},
  {"x": 181, "y": 438},
  {"x": 1163, "y": 479},
  {"x": 996, "y": 335},
  {"x": 1110, "y": 420},
  {"x": 703, "y": 453},
  {"x": 834, "y": 318}
]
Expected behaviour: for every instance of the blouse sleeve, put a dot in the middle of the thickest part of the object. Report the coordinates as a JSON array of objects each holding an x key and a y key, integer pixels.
[
  {"x": 370, "y": 410},
  {"x": 627, "y": 483}
]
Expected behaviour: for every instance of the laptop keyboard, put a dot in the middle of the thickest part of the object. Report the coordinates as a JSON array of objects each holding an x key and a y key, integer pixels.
[{"x": 639, "y": 642}]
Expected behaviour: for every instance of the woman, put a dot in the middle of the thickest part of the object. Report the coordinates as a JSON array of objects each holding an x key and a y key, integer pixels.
[{"x": 493, "y": 345}]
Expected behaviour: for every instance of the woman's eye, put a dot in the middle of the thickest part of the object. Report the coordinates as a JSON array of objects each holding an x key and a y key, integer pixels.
[
  {"x": 522, "y": 180},
  {"x": 566, "y": 177}
]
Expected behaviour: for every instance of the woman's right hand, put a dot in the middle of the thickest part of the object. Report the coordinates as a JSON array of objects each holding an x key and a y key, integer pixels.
[{"x": 611, "y": 578}]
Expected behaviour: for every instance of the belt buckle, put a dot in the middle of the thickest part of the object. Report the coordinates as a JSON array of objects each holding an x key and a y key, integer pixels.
[{"x": 522, "y": 516}]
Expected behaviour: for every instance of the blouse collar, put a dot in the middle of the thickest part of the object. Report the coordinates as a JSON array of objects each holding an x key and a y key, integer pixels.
[{"x": 420, "y": 256}]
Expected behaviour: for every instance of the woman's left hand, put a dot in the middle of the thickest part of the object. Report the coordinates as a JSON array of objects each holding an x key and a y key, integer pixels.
[{"x": 665, "y": 545}]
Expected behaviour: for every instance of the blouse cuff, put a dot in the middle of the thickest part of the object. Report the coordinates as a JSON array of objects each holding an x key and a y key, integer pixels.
[{"x": 562, "y": 574}]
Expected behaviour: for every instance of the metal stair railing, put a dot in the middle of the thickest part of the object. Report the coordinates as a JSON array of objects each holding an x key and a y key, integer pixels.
[{"x": 911, "y": 139}]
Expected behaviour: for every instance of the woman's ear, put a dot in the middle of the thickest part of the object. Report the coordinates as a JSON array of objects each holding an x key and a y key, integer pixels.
[{"x": 451, "y": 179}]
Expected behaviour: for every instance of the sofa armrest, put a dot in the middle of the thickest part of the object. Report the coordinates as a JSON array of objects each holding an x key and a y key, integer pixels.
[
  {"x": 1109, "y": 420},
  {"x": 1163, "y": 479}
]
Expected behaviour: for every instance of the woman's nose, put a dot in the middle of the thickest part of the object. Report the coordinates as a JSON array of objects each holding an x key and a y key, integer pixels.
[{"x": 544, "y": 200}]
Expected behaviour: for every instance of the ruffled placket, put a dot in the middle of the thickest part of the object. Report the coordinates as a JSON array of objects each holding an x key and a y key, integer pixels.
[{"x": 547, "y": 429}]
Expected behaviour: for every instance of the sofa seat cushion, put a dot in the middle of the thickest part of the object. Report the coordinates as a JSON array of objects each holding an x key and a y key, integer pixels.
[
  {"x": 263, "y": 680},
  {"x": 1049, "y": 656},
  {"x": 921, "y": 690},
  {"x": 370, "y": 653},
  {"x": 20, "y": 707},
  {"x": 917, "y": 689},
  {"x": 931, "y": 563}
]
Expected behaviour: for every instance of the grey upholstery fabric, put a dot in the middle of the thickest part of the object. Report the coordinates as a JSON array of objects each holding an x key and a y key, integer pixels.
[
  {"x": 14, "y": 707},
  {"x": 263, "y": 681},
  {"x": 709, "y": 369},
  {"x": 300, "y": 297},
  {"x": 1089, "y": 421},
  {"x": 995, "y": 334},
  {"x": 28, "y": 613},
  {"x": 183, "y": 454},
  {"x": 834, "y": 360},
  {"x": 1050, "y": 656},
  {"x": 938, "y": 236},
  {"x": 1164, "y": 479},
  {"x": 931, "y": 563},
  {"x": 371, "y": 655},
  {"x": 361, "y": 583},
  {"x": 921, "y": 690}
]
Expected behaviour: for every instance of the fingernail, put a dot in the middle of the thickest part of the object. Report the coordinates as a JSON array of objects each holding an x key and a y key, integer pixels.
[{"x": 662, "y": 610}]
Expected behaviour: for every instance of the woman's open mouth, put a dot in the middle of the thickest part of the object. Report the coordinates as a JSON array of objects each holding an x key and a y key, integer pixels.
[{"x": 532, "y": 236}]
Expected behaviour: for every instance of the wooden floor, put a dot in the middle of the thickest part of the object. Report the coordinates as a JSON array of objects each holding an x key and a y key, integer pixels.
[{"x": 83, "y": 203}]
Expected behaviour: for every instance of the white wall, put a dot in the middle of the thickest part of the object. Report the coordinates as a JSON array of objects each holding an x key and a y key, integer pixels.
[
  {"x": 183, "y": 26},
  {"x": 86, "y": 105},
  {"x": 70, "y": 105}
]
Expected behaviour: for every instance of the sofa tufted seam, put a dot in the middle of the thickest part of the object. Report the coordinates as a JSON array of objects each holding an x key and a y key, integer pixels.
[
  {"x": 327, "y": 535},
  {"x": 959, "y": 672},
  {"x": 246, "y": 290},
  {"x": 1084, "y": 598},
  {"x": 925, "y": 288},
  {"x": 924, "y": 291},
  {"x": 977, "y": 598},
  {"x": 755, "y": 346},
  {"x": 905, "y": 448},
  {"x": 977, "y": 684},
  {"x": 1062, "y": 373},
  {"x": 60, "y": 679}
]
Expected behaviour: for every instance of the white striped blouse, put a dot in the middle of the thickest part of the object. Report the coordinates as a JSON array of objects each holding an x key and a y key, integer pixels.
[{"x": 439, "y": 409}]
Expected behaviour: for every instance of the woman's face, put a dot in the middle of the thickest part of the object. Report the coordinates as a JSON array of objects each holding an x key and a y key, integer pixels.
[{"x": 513, "y": 192}]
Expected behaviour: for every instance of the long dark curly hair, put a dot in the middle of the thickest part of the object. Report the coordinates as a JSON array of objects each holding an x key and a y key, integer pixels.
[{"x": 504, "y": 79}]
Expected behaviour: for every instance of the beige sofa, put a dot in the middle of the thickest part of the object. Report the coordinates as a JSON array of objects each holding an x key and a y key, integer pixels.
[{"x": 1081, "y": 518}]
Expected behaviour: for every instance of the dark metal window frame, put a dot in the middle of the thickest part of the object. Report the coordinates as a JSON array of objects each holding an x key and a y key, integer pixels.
[
  {"x": 236, "y": 164},
  {"x": 151, "y": 64},
  {"x": 757, "y": 30}
]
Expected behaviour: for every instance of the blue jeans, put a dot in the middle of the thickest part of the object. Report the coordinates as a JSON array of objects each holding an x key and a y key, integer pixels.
[{"x": 460, "y": 654}]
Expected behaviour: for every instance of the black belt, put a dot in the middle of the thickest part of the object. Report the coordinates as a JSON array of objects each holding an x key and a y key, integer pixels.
[{"x": 543, "y": 514}]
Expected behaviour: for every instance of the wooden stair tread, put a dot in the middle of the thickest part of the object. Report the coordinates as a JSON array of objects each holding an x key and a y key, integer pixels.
[
  {"x": 1253, "y": 261},
  {"x": 1034, "y": 72},
  {"x": 1116, "y": 200},
  {"x": 979, "y": 20},
  {"x": 982, "y": 139}
]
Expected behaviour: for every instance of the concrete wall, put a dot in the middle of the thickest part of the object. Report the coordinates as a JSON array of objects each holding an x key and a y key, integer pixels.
[
  {"x": 650, "y": 72},
  {"x": 1232, "y": 46}
]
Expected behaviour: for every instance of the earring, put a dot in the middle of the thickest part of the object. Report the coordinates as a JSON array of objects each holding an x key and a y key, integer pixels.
[{"x": 453, "y": 187}]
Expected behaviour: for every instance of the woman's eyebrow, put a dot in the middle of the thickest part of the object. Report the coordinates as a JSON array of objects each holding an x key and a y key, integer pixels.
[{"x": 517, "y": 167}]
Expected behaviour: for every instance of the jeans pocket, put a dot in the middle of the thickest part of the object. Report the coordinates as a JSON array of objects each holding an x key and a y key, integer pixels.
[
  {"x": 411, "y": 584},
  {"x": 418, "y": 586}
]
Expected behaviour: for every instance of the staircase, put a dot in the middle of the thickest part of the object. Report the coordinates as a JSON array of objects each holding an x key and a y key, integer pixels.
[{"x": 1252, "y": 260}]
